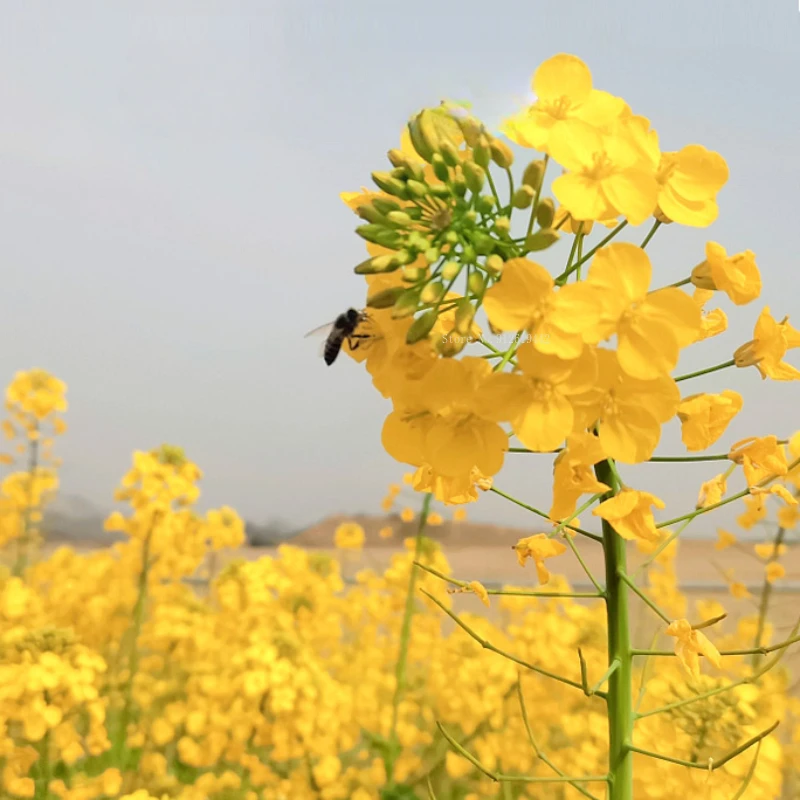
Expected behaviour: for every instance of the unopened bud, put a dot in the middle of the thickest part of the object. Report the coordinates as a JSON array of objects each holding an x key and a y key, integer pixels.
[
  {"x": 471, "y": 128},
  {"x": 485, "y": 204},
  {"x": 450, "y": 345},
  {"x": 470, "y": 217},
  {"x": 523, "y": 197},
  {"x": 465, "y": 314},
  {"x": 484, "y": 244},
  {"x": 384, "y": 205},
  {"x": 414, "y": 274},
  {"x": 432, "y": 292},
  {"x": 450, "y": 270},
  {"x": 482, "y": 153},
  {"x": 533, "y": 174},
  {"x": 494, "y": 264},
  {"x": 397, "y": 158},
  {"x": 431, "y": 255},
  {"x": 501, "y": 154},
  {"x": 541, "y": 240},
  {"x": 440, "y": 168},
  {"x": 371, "y": 214},
  {"x": 476, "y": 283},
  {"x": 459, "y": 186},
  {"x": 406, "y": 304},
  {"x": 545, "y": 213},
  {"x": 701, "y": 277},
  {"x": 399, "y": 218},
  {"x": 451, "y": 237},
  {"x": 377, "y": 265},
  {"x": 390, "y": 184},
  {"x": 475, "y": 176},
  {"x": 450, "y": 154},
  {"x": 468, "y": 254},
  {"x": 385, "y": 299},
  {"x": 378, "y": 234},
  {"x": 421, "y": 326},
  {"x": 502, "y": 225},
  {"x": 417, "y": 188}
]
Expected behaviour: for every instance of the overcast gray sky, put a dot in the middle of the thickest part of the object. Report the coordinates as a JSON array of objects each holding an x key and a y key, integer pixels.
[{"x": 171, "y": 223}]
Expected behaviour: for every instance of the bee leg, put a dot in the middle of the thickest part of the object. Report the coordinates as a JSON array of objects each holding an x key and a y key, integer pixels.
[{"x": 353, "y": 342}]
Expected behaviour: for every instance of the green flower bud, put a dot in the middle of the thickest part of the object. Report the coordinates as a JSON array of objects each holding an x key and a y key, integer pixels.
[
  {"x": 417, "y": 188},
  {"x": 417, "y": 241},
  {"x": 475, "y": 176},
  {"x": 415, "y": 212},
  {"x": 440, "y": 168},
  {"x": 472, "y": 130},
  {"x": 378, "y": 234},
  {"x": 458, "y": 186},
  {"x": 406, "y": 304},
  {"x": 469, "y": 255},
  {"x": 420, "y": 145},
  {"x": 385, "y": 206},
  {"x": 502, "y": 225},
  {"x": 390, "y": 185},
  {"x": 545, "y": 213},
  {"x": 485, "y": 204},
  {"x": 432, "y": 292},
  {"x": 450, "y": 270},
  {"x": 385, "y": 299},
  {"x": 430, "y": 129},
  {"x": 371, "y": 214},
  {"x": 413, "y": 274},
  {"x": 401, "y": 173},
  {"x": 449, "y": 346},
  {"x": 484, "y": 244},
  {"x": 397, "y": 158},
  {"x": 399, "y": 218},
  {"x": 465, "y": 314},
  {"x": 481, "y": 152},
  {"x": 523, "y": 197},
  {"x": 431, "y": 255},
  {"x": 451, "y": 237},
  {"x": 501, "y": 154},
  {"x": 494, "y": 264},
  {"x": 471, "y": 217},
  {"x": 421, "y": 326},
  {"x": 533, "y": 174},
  {"x": 377, "y": 265},
  {"x": 476, "y": 283},
  {"x": 542, "y": 239},
  {"x": 450, "y": 154}
]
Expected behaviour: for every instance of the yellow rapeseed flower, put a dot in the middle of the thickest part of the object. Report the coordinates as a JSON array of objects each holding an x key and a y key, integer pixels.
[
  {"x": 630, "y": 514},
  {"x": 705, "y": 417},
  {"x": 765, "y": 351},
  {"x": 349, "y": 536},
  {"x": 538, "y": 548},
  {"x": 690, "y": 644}
]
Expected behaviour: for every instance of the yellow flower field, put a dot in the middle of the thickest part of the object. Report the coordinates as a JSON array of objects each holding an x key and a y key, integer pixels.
[{"x": 119, "y": 680}]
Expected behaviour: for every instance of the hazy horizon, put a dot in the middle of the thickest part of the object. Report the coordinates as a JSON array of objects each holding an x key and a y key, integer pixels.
[{"x": 172, "y": 221}]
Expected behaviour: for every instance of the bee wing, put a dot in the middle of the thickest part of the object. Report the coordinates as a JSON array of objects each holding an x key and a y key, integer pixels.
[{"x": 323, "y": 330}]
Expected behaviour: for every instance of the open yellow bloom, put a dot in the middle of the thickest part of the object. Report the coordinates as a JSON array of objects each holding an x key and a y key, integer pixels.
[
  {"x": 711, "y": 492},
  {"x": 690, "y": 644},
  {"x": 564, "y": 92},
  {"x": 630, "y": 514},
  {"x": 349, "y": 536},
  {"x": 539, "y": 547},
  {"x": 652, "y": 327},
  {"x": 713, "y": 322},
  {"x": 705, "y": 417},
  {"x": 774, "y": 571},
  {"x": 689, "y": 181},
  {"x": 756, "y": 510},
  {"x": 738, "y": 275},
  {"x": 724, "y": 539},
  {"x": 526, "y": 299},
  {"x": 628, "y": 412},
  {"x": 765, "y": 351},
  {"x": 760, "y": 458},
  {"x": 573, "y": 474},
  {"x": 606, "y": 177},
  {"x": 767, "y": 550},
  {"x": 537, "y": 401}
]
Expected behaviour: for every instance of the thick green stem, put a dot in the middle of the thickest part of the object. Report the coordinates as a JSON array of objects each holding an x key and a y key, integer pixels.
[
  {"x": 619, "y": 695},
  {"x": 401, "y": 678}
]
